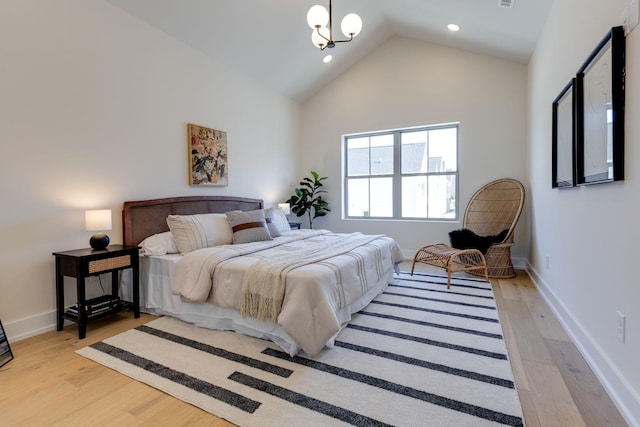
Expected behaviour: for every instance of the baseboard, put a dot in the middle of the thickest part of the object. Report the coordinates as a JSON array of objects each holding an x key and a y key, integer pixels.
[
  {"x": 621, "y": 392},
  {"x": 519, "y": 263},
  {"x": 30, "y": 326}
]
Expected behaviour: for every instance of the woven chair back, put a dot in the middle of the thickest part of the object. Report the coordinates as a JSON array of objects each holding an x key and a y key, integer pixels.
[{"x": 495, "y": 207}]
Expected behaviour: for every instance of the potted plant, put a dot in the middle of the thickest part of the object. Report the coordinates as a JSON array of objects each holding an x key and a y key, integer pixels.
[{"x": 308, "y": 198}]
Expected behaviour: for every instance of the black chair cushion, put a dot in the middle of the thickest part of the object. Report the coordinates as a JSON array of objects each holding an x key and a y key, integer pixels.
[{"x": 467, "y": 239}]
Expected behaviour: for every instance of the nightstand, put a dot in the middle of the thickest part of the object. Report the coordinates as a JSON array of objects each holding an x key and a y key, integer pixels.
[
  {"x": 82, "y": 263},
  {"x": 294, "y": 225}
]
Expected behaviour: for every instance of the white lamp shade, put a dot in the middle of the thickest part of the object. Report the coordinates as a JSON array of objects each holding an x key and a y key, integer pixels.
[
  {"x": 318, "y": 40},
  {"x": 317, "y": 16},
  {"x": 97, "y": 220},
  {"x": 351, "y": 25},
  {"x": 286, "y": 208}
]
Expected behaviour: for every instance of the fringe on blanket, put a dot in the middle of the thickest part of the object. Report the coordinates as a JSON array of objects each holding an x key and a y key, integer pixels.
[{"x": 260, "y": 307}]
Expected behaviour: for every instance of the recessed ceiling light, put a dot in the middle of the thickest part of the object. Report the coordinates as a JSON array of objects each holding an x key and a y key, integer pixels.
[
  {"x": 453, "y": 27},
  {"x": 327, "y": 58}
]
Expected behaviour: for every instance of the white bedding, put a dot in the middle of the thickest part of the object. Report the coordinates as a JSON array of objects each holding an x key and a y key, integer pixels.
[{"x": 319, "y": 298}]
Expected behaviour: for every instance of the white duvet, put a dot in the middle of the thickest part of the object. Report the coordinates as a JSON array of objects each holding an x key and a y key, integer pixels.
[{"x": 314, "y": 292}]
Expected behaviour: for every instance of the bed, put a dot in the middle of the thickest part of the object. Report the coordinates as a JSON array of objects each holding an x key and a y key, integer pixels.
[{"x": 314, "y": 279}]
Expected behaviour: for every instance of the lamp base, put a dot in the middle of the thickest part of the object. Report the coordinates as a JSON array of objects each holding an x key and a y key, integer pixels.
[{"x": 99, "y": 241}]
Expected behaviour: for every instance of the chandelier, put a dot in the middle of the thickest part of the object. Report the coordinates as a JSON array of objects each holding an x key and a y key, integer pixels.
[{"x": 322, "y": 36}]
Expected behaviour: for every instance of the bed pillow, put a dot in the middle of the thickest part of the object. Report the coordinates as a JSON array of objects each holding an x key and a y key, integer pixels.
[
  {"x": 248, "y": 226},
  {"x": 280, "y": 220},
  {"x": 269, "y": 217},
  {"x": 159, "y": 244},
  {"x": 191, "y": 232}
]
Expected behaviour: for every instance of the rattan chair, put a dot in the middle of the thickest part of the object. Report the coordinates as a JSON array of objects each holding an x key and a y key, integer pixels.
[{"x": 492, "y": 209}]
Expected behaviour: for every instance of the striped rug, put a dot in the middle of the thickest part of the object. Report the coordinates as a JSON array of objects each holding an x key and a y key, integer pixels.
[{"x": 418, "y": 355}]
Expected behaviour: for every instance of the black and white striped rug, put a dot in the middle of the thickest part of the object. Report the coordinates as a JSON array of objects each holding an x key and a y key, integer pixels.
[{"x": 418, "y": 355}]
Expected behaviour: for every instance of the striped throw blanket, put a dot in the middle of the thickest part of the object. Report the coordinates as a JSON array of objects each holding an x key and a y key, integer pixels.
[{"x": 263, "y": 285}]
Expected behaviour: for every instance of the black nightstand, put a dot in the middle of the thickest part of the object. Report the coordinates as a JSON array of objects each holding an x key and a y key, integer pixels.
[
  {"x": 82, "y": 263},
  {"x": 294, "y": 225}
]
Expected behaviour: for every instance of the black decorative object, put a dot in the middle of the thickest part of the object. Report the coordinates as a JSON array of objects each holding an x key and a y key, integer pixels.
[
  {"x": 467, "y": 239},
  {"x": 600, "y": 86},
  {"x": 99, "y": 241},
  {"x": 5, "y": 350}
]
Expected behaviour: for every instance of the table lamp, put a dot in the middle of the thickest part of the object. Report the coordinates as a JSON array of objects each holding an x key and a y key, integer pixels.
[
  {"x": 286, "y": 208},
  {"x": 98, "y": 220}
]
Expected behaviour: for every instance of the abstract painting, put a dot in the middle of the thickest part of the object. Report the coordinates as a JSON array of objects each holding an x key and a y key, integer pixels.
[{"x": 208, "y": 163}]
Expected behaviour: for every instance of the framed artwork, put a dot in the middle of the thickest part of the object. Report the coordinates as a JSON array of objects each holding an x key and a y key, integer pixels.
[
  {"x": 563, "y": 140},
  {"x": 5, "y": 351},
  {"x": 600, "y": 113},
  {"x": 208, "y": 163}
]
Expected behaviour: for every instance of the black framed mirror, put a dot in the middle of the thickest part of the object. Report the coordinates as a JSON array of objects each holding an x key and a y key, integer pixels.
[
  {"x": 600, "y": 113},
  {"x": 563, "y": 140}
]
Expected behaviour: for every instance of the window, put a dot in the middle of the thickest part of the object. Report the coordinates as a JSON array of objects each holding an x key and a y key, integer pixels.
[{"x": 402, "y": 174}]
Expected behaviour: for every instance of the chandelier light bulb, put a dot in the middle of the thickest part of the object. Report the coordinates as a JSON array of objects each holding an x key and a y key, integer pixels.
[
  {"x": 317, "y": 17},
  {"x": 320, "y": 37},
  {"x": 351, "y": 25}
]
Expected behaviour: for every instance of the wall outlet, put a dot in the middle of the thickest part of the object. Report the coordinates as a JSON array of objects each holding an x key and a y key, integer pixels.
[
  {"x": 620, "y": 326},
  {"x": 546, "y": 261}
]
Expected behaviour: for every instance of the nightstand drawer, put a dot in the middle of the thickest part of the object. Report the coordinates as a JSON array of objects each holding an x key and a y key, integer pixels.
[{"x": 109, "y": 264}]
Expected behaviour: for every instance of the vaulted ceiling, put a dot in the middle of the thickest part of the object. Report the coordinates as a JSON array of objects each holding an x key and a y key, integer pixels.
[{"x": 270, "y": 41}]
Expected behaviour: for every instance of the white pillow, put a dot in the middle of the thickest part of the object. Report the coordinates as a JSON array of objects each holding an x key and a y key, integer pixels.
[
  {"x": 248, "y": 226},
  {"x": 274, "y": 230},
  {"x": 159, "y": 244},
  {"x": 280, "y": 220},
  {"x": 191, "y": 232}
]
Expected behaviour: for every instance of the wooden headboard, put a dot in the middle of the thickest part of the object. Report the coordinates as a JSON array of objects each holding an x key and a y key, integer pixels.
[{"x": 143, "y": 218}]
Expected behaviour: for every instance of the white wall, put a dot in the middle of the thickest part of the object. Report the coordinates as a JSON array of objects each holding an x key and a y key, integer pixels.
[
  {"x": 410, "y": 83},
  {"x": 94, "y": 107},
  {"x": 589, "y": 233}
]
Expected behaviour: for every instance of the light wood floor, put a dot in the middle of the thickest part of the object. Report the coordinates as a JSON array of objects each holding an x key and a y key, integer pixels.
[{"x": 47, "y": 384}]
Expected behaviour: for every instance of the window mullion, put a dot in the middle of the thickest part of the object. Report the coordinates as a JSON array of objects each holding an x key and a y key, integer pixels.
[
  {"x": 397, "y": 175},
  {"x": 427, "y": 189},
  {"x": 369, "y": 179}
]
